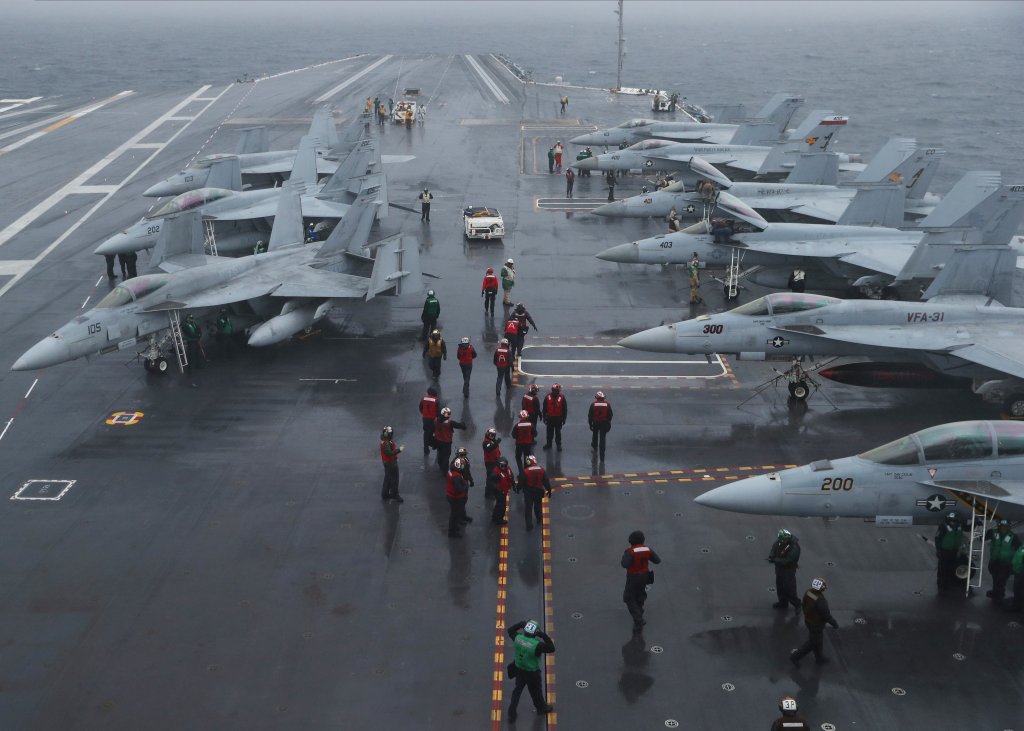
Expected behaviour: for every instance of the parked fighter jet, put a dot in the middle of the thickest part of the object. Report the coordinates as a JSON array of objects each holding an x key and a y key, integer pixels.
[
  {"x": 260, "y": 167},
  {"x": 962, "y": 330},
  {"x": 918, "y": 478},
  {"x": 290, "y": 287},
  {"x": 767, "y": 127},
  {"x": 239, "y": 219},
  {"x": 738, "y": 160},
  {"x": 843, "y": 256},
  {"x": 809, "y": 194}
]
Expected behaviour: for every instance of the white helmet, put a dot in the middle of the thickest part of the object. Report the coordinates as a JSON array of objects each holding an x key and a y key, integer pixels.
[
  {"x": 531, "y": 459},
  {"x": 491, "y": 433},
  {"x": 509, "y": 261},
  {"x": 430, "y": 293},
  {"x": 461, "y": 452},
  {"x": 788, "y": 704},
  {"x": 465, "y": 341},
  {"x": 818, "y": 584},
  {"x": 387, "y": 432},
  {"x": 446, "y": 412},
  {"x": 599, "y": 395},
  {"x": 524, "y": 414},
  {"x": 504, "y": 341}
]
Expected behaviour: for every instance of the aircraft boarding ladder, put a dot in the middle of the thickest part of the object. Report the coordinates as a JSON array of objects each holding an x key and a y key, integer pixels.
[
  {"x": 174, "y": 321},
  {"x": 210, "y": 241},
  {"x": 976, "y": 546},
  {"x": 732, "y": 275}
]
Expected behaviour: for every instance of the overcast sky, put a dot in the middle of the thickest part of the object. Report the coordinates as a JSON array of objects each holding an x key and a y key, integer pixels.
[{"x": 555, "y": 11}]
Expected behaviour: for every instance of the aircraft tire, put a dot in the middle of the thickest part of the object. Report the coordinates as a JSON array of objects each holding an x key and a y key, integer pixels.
[
  {"x": 1014, "y": 406},
  {"x": 147, "y": 363},
  {"x": 799, "y": 390},
  {"x": 161, "y": 365}
]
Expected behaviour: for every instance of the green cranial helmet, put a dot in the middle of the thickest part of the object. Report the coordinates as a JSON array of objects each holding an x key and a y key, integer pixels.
[
  {"x": 785, "y": 535},
  {"x": 531, "y": 627}
]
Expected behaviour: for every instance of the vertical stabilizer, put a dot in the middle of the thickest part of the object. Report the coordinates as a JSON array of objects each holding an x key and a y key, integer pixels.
[
  {"x": 961, "y": 205},
  {"x": 181, "y": 234},
  {"x": 815, "y": 168},
  {"x": 982, "y": 270},
  {"x": 352, "y": 233},
  {"x": 225, "y": 173},
  {"x": 876, "y": 204},
  {"x": 288, "y": 220},
  {"x": 304, "y": 168},
  {"x": 253, "y": 139},
  {"x": 779, "y": 111},
  {"x": 364, "y": 160}
]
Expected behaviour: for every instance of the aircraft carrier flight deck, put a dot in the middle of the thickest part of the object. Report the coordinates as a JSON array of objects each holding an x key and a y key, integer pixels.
[{"x": 210, "y": 550}]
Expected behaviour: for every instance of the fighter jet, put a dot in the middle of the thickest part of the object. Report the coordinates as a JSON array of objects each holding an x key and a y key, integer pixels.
[
  {"x": 737, "y": 160},
  {"x": 962, "y": 329},
  {"x": 919, "y": 478},
  {"x": 767, "y": 127},
  {"x": 237, "y": 219},
  {"x": 843, "y": 256},
  {"x": 260, "y": 167},
  {"x": 809, "y": 194},
  {"x": 289, "y": 287}
]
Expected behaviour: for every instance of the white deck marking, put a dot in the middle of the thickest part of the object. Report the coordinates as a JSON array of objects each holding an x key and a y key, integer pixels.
[
  {"x": 498, "y": 93},
  {"x": 352, "y": 79},
  {"x": 6, "y": 427},
  {"x": 26, "y": 219},
  {"x": 44, "y": 490},
  {"x": 86, "y": 302},
  {"x": 101, "y": 189},
  {"x": 148, "y": 146},
  {"x": 98, "y": 281},
  {"x": 29, "y": 392},
  {"x": 525, "y": 362},
  {"x": 15, "y": 267},
  {"x": 15, "y": 103},
  {"x": 61, "y": 121}
]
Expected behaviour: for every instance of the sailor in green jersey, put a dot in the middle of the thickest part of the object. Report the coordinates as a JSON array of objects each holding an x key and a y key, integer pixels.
[{"x": 529, "y": 643}]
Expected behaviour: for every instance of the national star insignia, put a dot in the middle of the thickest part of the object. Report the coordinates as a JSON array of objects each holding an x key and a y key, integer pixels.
[
  {"x": 691, "y": 209},
  {"x": 934, "y": 503},
  {"x": 778, "y": 341}
]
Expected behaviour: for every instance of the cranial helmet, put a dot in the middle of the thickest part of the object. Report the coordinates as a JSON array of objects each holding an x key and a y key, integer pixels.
[
  {"x": 785, "y": 535},
  {"x": 636, "y": 538},
  {"x": 531, "y": 627},
  {"x": 504, "y": 341},
  {"x": 599, "y": 395},
  {"x": 533, "y": 388},
  {"x": 446, "y": 412},
  {"x": 435, "y": 333},
  {"x": 465, "y": 341},
  {"x": 502, "y": 462},
  {"x": 524, "y": 414},
  {"x": 430, "y": 293},
  {"x": 531, "y": 459},
  {"x": 492, "y": 432},
  {"x": 556, "y": 387},
  {"x": 387, "y": 432},
  {"x": 818, "y": 584},
  {"x": 788, "y": 704},
  {"x": 461, "y": 452},
  {"x": 490, "y": 270},
  {"x": 509, "y": 261}
]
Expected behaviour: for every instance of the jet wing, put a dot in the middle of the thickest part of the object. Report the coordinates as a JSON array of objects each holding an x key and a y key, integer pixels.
[
  {"x": 827, "y": 209},
  {"x": 710, "y": 137},
  {"x": 322, "y": 284},
  {"x": 1003, "y": 491},
  {"x": 312, "y": 207},
  {"x": 999, "y": 346},
  {"x": 882, "y": 259}
]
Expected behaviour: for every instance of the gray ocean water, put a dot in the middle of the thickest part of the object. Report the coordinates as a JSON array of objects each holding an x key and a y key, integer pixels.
[{"x": 948, "y": 74}]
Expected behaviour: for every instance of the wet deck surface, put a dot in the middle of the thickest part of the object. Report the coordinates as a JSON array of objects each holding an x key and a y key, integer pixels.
[{"x": 226, "y": 562}]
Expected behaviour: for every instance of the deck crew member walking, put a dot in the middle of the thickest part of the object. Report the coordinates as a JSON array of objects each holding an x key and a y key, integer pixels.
[{"x": 636, "y": 560}]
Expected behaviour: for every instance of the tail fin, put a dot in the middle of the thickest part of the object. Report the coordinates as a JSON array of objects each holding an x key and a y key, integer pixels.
[
  {"x": 779, "y": 111},
  {"x": 253, "y": 139},
  {"x": 225, "y": 173},
  {"x": 304, "y": 168},
  {"x": 991, "y": 222},
  {"x": 876, "y": 204},
  {"x": 348, "y": 139},
  {"x": 963, "y": 205},
  {"x": 817, "y": 139},
  {"x": 352, "y": 233},
  {"x": 322, "y": 129},
  {"x": 396, "y": 265},
  {"x": 815, "y": 168},
  {"x": 362, "y": 161},
  {"x": 888, "y": 160},
  {"x": 181, "y": 234},
  {"x": 756, "y": 132},
  {"x": 812, "y": 120},
  {"x": 727, "y": 113},
  {"x": 919, "y": 170},
  {"x": 984, "y": 270},
  {"x": 288, "y": 219}
]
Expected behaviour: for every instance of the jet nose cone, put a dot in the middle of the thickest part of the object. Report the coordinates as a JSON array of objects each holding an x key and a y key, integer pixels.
[
  {"x": 119, "y": 243},
  {"x": 622, "y": 254},
  {"x": 164, "y": 188},
  {"x": 760, "y": 495},
  {"x": 618, "y": 208},
  {"x": 583, "y": 140},
  {"x": 587, "y": 163},
  {"x": 656, "y": 340},
  {"x": 46, "y": 352}
]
